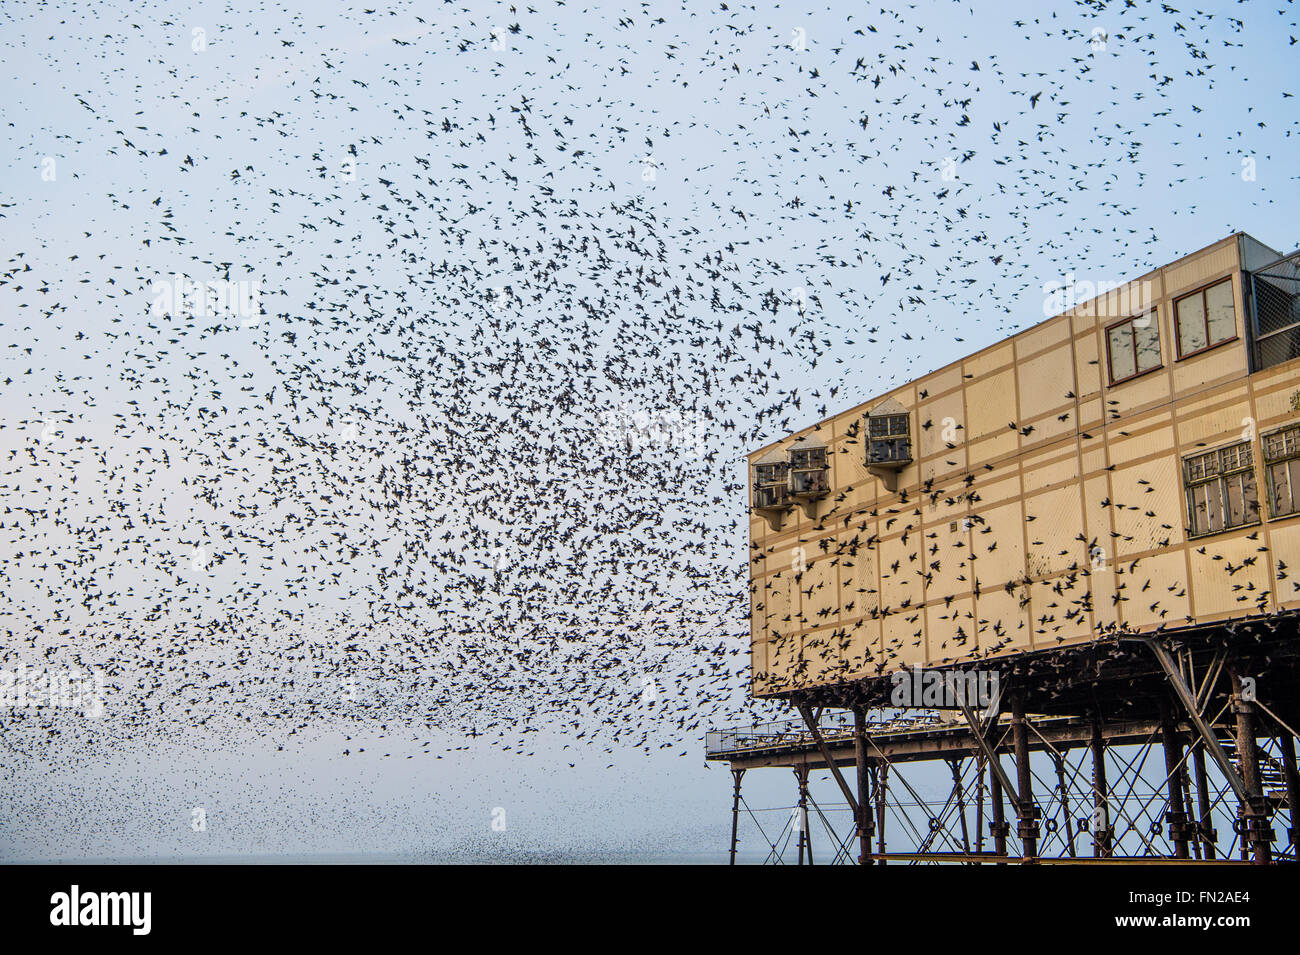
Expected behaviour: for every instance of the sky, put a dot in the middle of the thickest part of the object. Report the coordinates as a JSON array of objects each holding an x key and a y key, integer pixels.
[{"x": 460, "y": 501}]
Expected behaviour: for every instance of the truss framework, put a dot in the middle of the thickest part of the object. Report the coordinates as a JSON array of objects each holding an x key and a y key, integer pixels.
[{"x": 1202, "y": 775}]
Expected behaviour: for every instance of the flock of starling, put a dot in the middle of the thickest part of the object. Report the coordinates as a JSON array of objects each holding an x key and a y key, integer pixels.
[{"x": 512, "y": 289}]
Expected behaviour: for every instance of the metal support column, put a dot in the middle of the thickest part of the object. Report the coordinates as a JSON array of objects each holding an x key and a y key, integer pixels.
[
  {"x": 735, "y": 812},
  {"x": 960, "y": 794},
  {"x": 1176, "y": 816},
  {"x": 1255, "y": 809},
  {"x": 1026, "y": 811},
  {"x": 1205, "y": 830},
  {"x": 1059, "y": 760},
  {"x": 1101, "y": 831},
  {"x": 864, "y": 820},
  {"x": 882, "y": 789},
  {"x": 998, "y": 826},
  {"x": 801, "y": 814},
  {"x": 1189, "y": 701},
  {"x": 1189, "y": 811},
  {"x": 811, "y": 722}
]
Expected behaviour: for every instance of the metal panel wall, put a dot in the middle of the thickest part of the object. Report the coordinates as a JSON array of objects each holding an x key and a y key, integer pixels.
[{"x": 1044, "y": 504}]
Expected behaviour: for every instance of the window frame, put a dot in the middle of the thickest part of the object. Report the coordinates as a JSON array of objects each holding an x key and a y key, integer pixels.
[
  {"x": 1218, "y": 479},
  {"x": 812, "y": 452},
  {"x": 890, "y": 436},
  {"x": 781, "y": 482},
  {"x": 1205, "y": 309},
  {"x": 1154, "y": 314},
  {"x": 811, "y": 472},
  {"x": 1284, "y": 459}
]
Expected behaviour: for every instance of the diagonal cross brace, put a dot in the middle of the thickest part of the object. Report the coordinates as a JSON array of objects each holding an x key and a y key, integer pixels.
[
  {"x": 808, "y": 718},
  {"x": 1189, "y": 704},
  {"x": 994, "y": 763}
]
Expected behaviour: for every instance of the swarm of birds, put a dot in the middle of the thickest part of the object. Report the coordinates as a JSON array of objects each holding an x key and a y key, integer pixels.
[{"x": 493, "y": 303}]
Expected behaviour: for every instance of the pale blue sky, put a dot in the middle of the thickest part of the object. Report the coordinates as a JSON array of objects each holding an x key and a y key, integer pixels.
[{"x": 793, "y": 164}]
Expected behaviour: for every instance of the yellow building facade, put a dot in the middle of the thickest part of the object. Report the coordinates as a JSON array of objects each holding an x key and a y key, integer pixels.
[{"x": 1132, "y": 463}]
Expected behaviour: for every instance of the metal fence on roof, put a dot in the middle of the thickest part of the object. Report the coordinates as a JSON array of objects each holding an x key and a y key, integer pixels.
[{"x": 1275, "y": 292}]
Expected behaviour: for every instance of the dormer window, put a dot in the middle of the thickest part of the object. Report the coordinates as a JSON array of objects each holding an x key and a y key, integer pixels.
[
  {"x": 889, "y": 441},
  {"x": 771, "y": 485},
  {"x": 771, "y": 492},
  {"x": 810, "y": 473}
]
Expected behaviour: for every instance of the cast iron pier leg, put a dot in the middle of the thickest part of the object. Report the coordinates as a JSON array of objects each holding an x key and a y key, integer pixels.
[
  {"x": 1176, "y": 816},
  {"x": 801, "y": 774},
  {"x": 735, "y": 812},
  {"x": 1065, "y": 801},
  {"x": 1026, "y": 810},
  {"x": 1255, "y": 812},
  {"x": 1209, "y": 838},
  {"x": 1100, "y": 796},
  {"x": 955, "y": 765},
  {"x": 882, "y": 788},
  {"x": 998, "y": 826},
  {"x": 864, "y": 786},
  {"x": 1189, "y": 811}
]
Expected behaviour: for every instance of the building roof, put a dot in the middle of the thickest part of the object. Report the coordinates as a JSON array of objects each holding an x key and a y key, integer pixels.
[{"x": 1258, "y": 251}]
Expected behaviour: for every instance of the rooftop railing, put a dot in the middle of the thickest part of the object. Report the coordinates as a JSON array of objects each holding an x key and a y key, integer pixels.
[{"x": 794, "y": 734}]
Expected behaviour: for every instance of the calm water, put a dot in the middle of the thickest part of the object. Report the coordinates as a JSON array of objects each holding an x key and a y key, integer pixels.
[{"x": 626, "y": 858}]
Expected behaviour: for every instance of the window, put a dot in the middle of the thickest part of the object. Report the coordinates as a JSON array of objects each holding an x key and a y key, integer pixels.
[
  {"x": 1221, "y": 492},
  {"x": 890, "y": 439},
  {"x": 770, "y": 485},
  {"x": 1282, "y": 465},
  {"x": 808, "y": 471},
  {"x": 1134, "y": 347},
  {"x": 1205, "y": 318}
]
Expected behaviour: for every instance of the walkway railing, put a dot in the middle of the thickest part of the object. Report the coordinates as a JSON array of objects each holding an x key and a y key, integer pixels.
[{"x": 793, "y": 734}]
